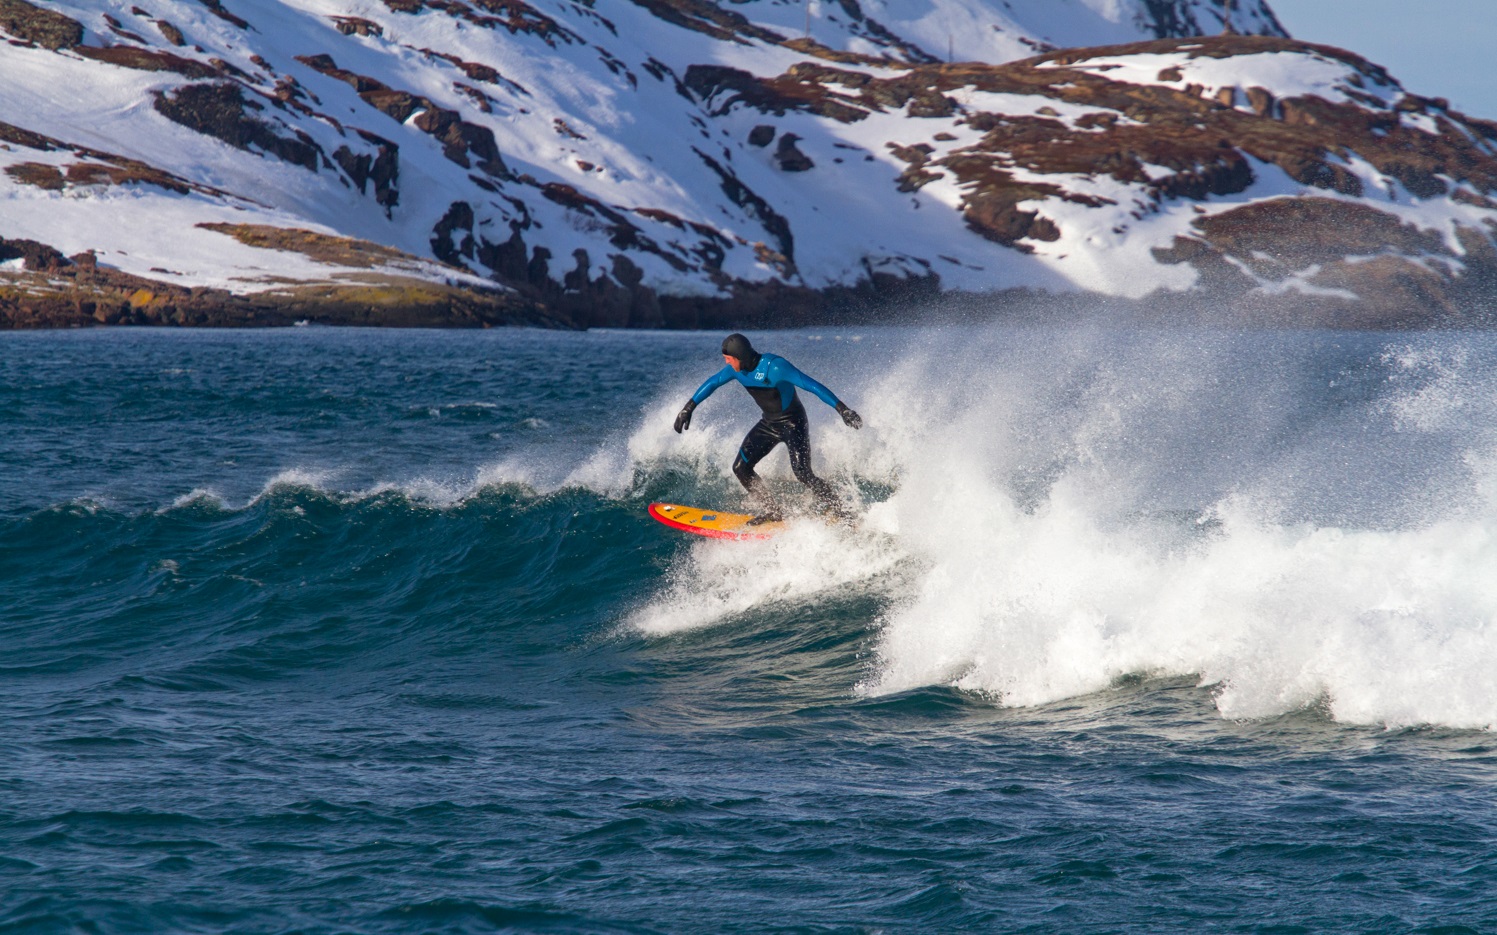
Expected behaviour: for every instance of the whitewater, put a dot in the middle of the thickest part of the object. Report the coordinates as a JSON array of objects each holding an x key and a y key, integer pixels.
[
  {"x": 1297, "y": 520},
  {"x": 1141, "y": 628}
]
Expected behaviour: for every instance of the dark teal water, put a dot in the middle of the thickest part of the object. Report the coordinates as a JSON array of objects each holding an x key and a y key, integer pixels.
[{"x": 368, "y": 631}]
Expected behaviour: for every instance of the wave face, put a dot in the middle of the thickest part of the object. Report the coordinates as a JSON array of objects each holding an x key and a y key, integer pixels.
[{"x": 323, "y": 631}]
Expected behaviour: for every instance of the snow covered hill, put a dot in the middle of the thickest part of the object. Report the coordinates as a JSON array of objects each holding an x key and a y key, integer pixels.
[{"x": 688, "y": 162}]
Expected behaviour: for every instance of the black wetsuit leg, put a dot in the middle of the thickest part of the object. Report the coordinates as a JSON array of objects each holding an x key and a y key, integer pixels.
[{"x": 793, "y": 430}]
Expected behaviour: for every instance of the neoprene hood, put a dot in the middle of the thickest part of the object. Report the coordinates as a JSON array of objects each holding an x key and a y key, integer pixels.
[{"x": 736, "y": 345}]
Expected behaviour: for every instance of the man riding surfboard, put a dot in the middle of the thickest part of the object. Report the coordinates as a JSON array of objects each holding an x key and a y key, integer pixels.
[{"x": 772, "y": 380}]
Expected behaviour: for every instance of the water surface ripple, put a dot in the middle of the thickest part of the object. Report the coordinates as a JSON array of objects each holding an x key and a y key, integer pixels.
[{"x": 365, "y": 631}]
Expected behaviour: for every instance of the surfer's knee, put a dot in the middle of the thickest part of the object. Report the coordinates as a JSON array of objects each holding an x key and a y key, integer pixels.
[
  {"x": 800, "y": 465},
  {"x": 804, "y": 474}
]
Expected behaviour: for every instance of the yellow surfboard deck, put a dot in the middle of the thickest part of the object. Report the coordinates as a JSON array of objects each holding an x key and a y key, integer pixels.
[{"x": 715, "y": 524}]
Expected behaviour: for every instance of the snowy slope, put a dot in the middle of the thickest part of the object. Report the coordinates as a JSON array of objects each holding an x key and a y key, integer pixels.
[
  {"x": 989, "y": 31},
  {"x": 637, "y": 161}
]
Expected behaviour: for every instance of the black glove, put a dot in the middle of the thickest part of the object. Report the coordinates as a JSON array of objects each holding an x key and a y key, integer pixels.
[
  {"x": 683, "y": 418},
  {"x": 850, "y": 417}
]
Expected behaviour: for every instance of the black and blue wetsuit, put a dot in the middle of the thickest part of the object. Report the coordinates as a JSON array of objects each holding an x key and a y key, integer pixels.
[{"x": 772, "y": 382}]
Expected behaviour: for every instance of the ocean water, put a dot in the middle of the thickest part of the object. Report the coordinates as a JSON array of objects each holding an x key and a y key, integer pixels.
[{"x": 333, "y": 631}]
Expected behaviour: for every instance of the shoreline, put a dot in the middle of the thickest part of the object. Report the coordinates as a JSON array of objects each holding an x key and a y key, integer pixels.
[{"x": 70, "y": 299}]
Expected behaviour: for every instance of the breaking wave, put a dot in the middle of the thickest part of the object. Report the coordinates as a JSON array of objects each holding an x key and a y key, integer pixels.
[{"x": 1299, "y": 520}]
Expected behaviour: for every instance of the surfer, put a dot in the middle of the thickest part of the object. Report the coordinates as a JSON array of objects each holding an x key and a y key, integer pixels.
[{"x": 772, "y": 380}]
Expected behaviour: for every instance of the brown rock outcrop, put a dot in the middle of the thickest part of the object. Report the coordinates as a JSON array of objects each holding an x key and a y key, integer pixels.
[
  {"x": 516, "y": 16},
  {"x": 55, "y": 292},
  {"x": 460, "y": 139},
  {"x": 129, "y": 56},
  {"x": 47, "y": 28},
  {"x": 1182, "y": 144},
  {"x": 1401, "y": 275},
  {"x": 789, "y": 157},
  {"x": 221, "y": 110},
  {"x": 34, "y": 256}
]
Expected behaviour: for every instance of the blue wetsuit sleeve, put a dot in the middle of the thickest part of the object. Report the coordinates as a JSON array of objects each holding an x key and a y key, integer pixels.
[
  {"x": 710, "y": 385},
  {"x": 788, "y": 373}
]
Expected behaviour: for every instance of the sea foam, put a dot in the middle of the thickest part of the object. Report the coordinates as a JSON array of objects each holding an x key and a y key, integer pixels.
[{"x": 1298, "y": 520}]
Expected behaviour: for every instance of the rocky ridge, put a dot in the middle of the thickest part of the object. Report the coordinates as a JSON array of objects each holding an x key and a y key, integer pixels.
[{"x": 689, "y": 163}]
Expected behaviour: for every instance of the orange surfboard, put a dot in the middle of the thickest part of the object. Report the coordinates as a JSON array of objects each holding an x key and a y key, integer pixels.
[{"x": 715, "y": 524}]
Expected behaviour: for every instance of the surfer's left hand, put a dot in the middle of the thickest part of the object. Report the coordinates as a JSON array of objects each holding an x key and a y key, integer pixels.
[
  {"x": 849, "y": 416},
  {"x": 683, "y": 418}
]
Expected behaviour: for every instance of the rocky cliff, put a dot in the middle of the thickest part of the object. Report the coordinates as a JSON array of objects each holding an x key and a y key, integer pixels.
[{"x": 693, "y": 163}]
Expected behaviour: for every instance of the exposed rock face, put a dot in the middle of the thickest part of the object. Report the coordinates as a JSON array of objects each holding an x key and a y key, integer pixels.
[
  {"x": 148, "y": 60},
  {"x": 36, "y": 257},
  {"x": 58, "y": 292},
  {"x": 47, "y": 28},
  {"x": 460, "y": 139},
  {"x": 1401, "y": 275},
  {"x": 745, "y": 169},
  {"x": 1172, "y": 19},
  {"x": 95, "y": 168},
  {"x": 220, "y": 110},
  {"x": 789, "y": 157},
  {"x": 932, "y": 32},
  {"x": 171, "y": 33},
  {"x": 382, "y": 168},
  {"x": 1171, "y": 143}
]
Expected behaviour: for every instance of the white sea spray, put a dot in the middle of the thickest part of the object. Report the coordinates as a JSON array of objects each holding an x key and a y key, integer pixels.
[{"x": 1293, "y": 524}]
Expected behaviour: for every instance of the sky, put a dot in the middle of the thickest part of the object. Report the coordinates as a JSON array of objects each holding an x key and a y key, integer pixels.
[{"x": 1437, "y": 48}]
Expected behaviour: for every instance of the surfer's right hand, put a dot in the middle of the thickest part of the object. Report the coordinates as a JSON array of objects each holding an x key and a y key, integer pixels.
[
  {"x": 849, "y": 416},
  {"x": 683, "y": 418}
]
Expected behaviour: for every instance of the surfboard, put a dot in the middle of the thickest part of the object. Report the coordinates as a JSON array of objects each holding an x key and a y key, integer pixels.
[{"x": 716, "y": 524}]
